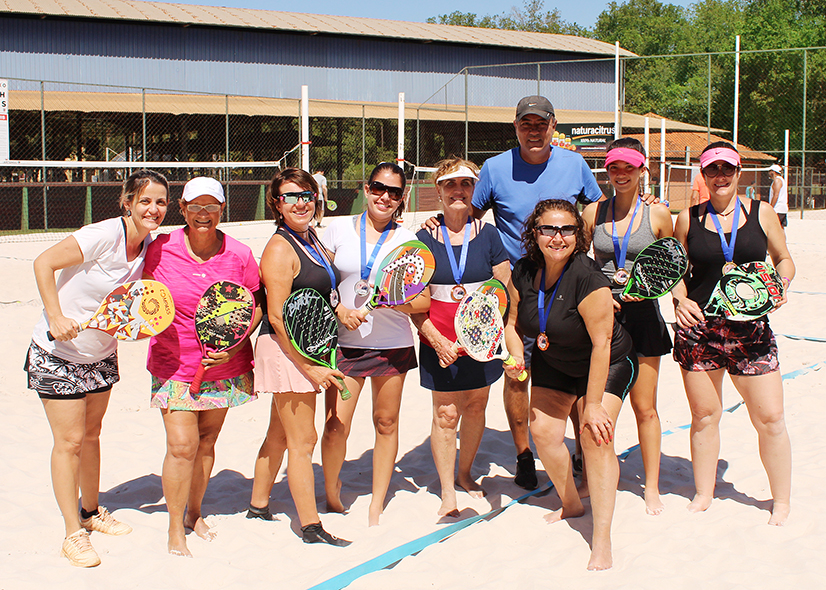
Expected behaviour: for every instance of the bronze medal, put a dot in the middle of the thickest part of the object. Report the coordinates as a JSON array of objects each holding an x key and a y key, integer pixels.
[
  {"x": 542, "y": 341},
  {"x": 621, "y": 276},
  {"x": 457, "y": 293},
  {"x": 728, "y": 267}
]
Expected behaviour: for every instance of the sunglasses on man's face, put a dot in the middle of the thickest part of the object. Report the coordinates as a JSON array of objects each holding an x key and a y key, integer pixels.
[
  {"x": 292, "y": 198},
  {"x": 379, "y": 188},
  {"x": 714, "y": 170},
  {"x": 551, "y": 230}
]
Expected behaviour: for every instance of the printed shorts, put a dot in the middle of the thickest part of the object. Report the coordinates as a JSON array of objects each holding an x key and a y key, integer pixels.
[
  {"x": 55, "y": 378},
  {"x": 742, "y": 348}
]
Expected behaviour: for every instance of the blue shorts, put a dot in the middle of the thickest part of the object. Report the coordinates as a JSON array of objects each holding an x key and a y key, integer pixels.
[{"x": 464, "y": 374}]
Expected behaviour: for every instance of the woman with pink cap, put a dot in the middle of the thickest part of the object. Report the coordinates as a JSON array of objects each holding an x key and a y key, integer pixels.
[
  {"x": 718, "y": 235},
  {"x": 621, "y": 228}
]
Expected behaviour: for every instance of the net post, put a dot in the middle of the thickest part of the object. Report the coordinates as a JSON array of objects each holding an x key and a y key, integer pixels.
[
  {"x": 260, "y": 209},
  {"x": 24, "y": 210},
  {"x": 87, "y": 210}
]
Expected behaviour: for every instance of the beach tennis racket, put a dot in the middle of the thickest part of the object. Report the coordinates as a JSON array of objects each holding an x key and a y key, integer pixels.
[
  {"x": 497, "y": 289},
  {"x": 331, "y": 205},
  {"x": 312, "y": 328},
  {"x": 223, "y": 320},
  {"x": 133, "y": 311},
  {"x": 402, "y": 275},
  {"x": 480, "y": 330},
  {"x": 657, "y": 269},
  {"x": 748, "y": 292}
]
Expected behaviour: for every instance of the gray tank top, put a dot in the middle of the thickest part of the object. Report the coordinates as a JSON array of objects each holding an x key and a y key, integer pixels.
[{"x": 604, "y": 244}]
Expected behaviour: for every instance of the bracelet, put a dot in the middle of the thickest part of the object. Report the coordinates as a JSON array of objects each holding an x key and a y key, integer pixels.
[{"x": 786, "y": 280}]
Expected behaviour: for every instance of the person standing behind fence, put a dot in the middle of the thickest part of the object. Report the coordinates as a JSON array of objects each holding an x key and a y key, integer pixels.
[
  {"x": 778, "y": 194},
  {"x": 321, "y": 181},
  {"x": 74, "y": 373}
]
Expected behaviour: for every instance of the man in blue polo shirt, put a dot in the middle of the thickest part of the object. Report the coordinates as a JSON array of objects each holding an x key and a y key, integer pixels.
[{"x": 511, "y": 184}]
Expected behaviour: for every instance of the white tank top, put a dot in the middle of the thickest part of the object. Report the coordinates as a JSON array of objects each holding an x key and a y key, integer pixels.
[{"x": 782, "y": 204}]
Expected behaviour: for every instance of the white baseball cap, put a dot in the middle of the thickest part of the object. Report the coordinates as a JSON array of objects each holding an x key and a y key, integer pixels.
[
  {"x": 203, "y": 185},
  {"x": 776, "y": 168}
]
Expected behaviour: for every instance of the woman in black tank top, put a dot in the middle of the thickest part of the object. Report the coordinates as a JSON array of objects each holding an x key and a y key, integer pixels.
[
  {"x": 706, "y": 349},
  {"x": 294, "y": 258}
]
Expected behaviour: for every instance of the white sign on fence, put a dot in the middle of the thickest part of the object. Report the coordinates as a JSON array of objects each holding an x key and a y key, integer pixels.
[{"x": 4, "y": 120}]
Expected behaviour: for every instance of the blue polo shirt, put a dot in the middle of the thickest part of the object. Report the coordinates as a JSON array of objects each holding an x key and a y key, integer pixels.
[{"x": 512, "y": 187}]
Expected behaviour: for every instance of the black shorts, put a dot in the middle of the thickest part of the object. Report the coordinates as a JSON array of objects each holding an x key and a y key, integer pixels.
[
  {"x": 621, "y": 377},
  {"x": 644, "y": 323},
  {"x": 464, "y": 374},
  {"x": 783, "y": 221}
]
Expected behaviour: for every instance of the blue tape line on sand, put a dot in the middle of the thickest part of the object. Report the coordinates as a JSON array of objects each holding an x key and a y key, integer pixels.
[
  {"x": 808, "y": 292},
  {"x": 392, "y": 557}
]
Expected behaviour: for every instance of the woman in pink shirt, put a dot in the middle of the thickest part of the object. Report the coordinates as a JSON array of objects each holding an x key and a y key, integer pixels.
[{"x": 188, "y": 261}]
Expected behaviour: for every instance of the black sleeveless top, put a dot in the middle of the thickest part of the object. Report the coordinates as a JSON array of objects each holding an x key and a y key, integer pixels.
[
  {"x": 310, "y": 276},
  {"x": 705, "y": 253}
]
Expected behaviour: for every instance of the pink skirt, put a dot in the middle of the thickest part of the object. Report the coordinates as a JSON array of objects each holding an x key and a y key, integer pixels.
[{"x": 275, "y": 371}]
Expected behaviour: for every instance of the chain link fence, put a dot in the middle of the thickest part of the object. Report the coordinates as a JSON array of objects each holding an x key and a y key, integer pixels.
[{"x": 244, "y": 140}]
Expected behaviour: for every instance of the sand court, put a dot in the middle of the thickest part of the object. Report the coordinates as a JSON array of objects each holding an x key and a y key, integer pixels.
[{"x": 728, "y": 546}]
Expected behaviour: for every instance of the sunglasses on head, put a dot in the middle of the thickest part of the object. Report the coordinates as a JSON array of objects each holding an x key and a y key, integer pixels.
[
  {"x": 292, "y": 198},
  {"x": 724, "y": 168},
  {"x": 379, "y": 188},
  {"x": 195, "y": 208},
  {"x": 551, "y": 230}
]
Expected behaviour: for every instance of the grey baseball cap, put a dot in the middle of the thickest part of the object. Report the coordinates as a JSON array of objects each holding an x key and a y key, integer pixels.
[{"x": 534, "y": 105}]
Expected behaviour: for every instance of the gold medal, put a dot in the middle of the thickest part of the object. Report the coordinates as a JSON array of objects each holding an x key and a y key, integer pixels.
[
  {"x": 457, "y": 293},
  {"x": 542, "y": 341},
  {"x": 728, "y": 267},
  {"x": 621, "y": 276}
]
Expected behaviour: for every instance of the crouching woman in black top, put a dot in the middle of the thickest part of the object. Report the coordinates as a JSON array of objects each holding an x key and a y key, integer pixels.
[{"x": 581, "y": 356}]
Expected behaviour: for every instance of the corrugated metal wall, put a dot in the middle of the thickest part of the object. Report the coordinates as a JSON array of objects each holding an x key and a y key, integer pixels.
[{"x": 276, "y": 64}]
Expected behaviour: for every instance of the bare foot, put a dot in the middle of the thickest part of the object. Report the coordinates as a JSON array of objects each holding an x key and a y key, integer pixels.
[
  {"x": 201, "y": 528},
  {"x": 699, "y": 504},
  {"x": 334, "y": 500},
  {"x": 177, "y": 545},
  {"x": 449, "y": 507},
  {"x": 373, "y": 514},
  {"x": 601, "y": 559},
  {"x": 471, "y": 487},
  {"x": 780, "y": 513},
  {"x": 653, "y": 504},
  {"x": 563, "y": 513}
]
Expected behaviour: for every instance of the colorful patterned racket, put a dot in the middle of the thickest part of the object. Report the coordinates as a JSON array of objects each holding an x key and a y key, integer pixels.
[
  {"x": 133, "y": 311},
  {"x": 657, "y": 269},
  {"x": 222, "y": 321},
  {"x": 480, "y": 330},
  {"x": 497, "y": 289},
  {"x": 746, "y": 293},
  {"x": 313, "y": 330},
  {"x": 403, "y": 274}
]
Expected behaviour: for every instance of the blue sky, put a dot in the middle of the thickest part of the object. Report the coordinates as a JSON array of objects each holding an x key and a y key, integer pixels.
[{"x": 584, "y": 12}]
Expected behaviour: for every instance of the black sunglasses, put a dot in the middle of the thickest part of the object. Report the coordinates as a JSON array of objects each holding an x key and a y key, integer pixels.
[
  {"x": 714, "y": 170},
  {"x": 292, "y": 198},
  {"x": 379, "y": 188},
  {"x": 551, "y": 230}
]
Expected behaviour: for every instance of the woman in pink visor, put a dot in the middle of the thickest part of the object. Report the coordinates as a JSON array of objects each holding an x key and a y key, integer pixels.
[{"x": 718, "y": 235}]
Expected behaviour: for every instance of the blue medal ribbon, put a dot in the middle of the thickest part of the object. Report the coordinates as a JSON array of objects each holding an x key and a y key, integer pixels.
[
  {"x": 367, "y": 266},
  {"x": 458, "y": 271},
  {"x": 544, "y": 313},
  {"x": 322, "y": 260},
  {"x": 621, "y": 251},
  {"x": 728, "y": 248}
]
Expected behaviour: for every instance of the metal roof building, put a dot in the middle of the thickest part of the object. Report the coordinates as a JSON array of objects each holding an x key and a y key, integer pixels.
[{"x": 245, "y": 52}]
